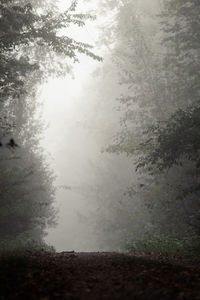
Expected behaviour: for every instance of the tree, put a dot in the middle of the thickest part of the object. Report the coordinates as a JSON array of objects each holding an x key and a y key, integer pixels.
[
  {"x": 175, "y": 142},
  {"x": 180, "y": 23},
  {"x": 31, "y": 49},
  {"x": 159, "y": 78},
  {"x": 22, "y": 28}
]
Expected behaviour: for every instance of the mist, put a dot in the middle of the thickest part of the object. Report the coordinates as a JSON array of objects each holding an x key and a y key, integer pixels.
[
  {"x": 100, "y": 125},
  {"x": 76, "y": 155},
  {"x": 99, "y": 149}
]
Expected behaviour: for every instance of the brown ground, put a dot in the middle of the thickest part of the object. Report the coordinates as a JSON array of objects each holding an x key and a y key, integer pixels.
[{"x": 95, "y": 276}]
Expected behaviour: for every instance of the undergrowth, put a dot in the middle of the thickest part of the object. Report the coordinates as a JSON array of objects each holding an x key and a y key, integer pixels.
[
  {"x": 22, "y": 244},
  {"x": 165, "y": 246}
]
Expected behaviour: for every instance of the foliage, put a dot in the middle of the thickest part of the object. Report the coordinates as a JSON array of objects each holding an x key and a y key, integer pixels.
[
  {"x": 181, "y": 23},
  {"x": 172, "y": 141},
  {"x": 22, "y": 244},
  {"x": 21, "y": 28},
  {"x": 176, "y": 141},
  {"x": 165, "y": 246},
  {"x": 157, "y": 58},
  {"x": 32, "y": 48}
]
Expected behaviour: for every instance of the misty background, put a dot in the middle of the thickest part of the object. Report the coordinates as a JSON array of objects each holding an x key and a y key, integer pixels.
[{"x": 107, "y": 138}]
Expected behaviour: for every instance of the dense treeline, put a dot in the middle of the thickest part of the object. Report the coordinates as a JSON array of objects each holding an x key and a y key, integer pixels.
[
  {"x": 31, "y": 49},
  {"x": 155, "y": 49},
  {"x": 151, "y": 73}
]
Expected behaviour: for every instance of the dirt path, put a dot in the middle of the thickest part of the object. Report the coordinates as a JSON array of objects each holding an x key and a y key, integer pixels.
[{"x": 49, "y": 276}]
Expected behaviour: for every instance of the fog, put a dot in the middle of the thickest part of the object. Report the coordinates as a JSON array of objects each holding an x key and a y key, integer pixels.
[
  {"x": 99, "y": 125},
  {"x": 74, "y": 142},
  {"x": 78, "y": 129},
  {"x": 71, "y": 146},
  {"x": 81, "y": 111}
]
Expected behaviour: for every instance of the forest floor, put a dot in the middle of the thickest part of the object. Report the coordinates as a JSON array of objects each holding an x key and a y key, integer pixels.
[{"x": 95, "y": 276}]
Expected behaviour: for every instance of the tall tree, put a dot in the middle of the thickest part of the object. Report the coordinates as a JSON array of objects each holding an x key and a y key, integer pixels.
[
  {"x": 31, "y": 49},
  {"x": 158, "y": 71}
]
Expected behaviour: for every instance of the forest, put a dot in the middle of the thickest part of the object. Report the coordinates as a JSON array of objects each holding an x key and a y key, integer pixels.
[
  {"x": 154, "y": 59},
  {"x": 154, "y": 52},
  {"x": 141, "y": 193}
]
